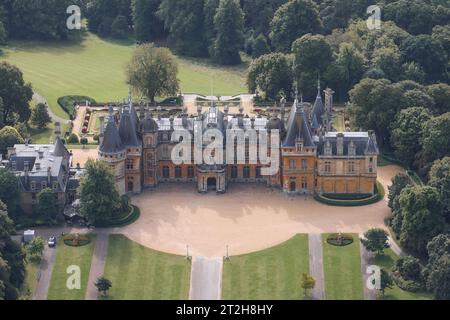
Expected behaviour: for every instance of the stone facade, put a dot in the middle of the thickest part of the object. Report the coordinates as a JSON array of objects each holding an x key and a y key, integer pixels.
[{"x": 313, "y": 157}]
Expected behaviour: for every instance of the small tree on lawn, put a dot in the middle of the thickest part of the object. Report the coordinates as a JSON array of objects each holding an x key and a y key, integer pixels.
[
  {"x": 103, "y": 285},
  {"x": 386, "y": 281},
  {"x": 34, "y": 250},
  {"x": 73, "y": 139},
  {"x": 40, "y": 117},
  {"x": 84, "y": 142},
  {"x": 375, "y": 240},
  {"x": 308, "y": 283}
]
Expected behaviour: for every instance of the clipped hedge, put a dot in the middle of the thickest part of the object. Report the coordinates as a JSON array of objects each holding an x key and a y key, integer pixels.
[
  {"x": 133, "y": 214},
  {"x": 68, "y": 103},
  {"x": 344, "y": 201}
]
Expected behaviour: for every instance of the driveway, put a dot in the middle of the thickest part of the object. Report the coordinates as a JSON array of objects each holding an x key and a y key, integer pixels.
[
  {"x": 206, "y": 278},
  {"x": 247, "y": 218},
  {"x": 44, "y": 274}
]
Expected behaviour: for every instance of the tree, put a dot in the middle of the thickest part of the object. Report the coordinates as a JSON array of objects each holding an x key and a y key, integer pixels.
[
  {"x": 271, "y": 74},
  {"x": 98, "y": 204},
  {"x": 409, "y": 268},
  {"x": 229, "y": 26},
  {"x": 375, "y": 240},
  {"x": 3, "y": 34},
  {"x": 434, "y": 140},
  {"x": 440, "y": 179},
  {"x": 24, "y": 21},
  {"x": 73, "y": 139},
  {"x": 414, "y": 72},
  {"x": 406, "y": 133},
  {"x": 103, "y": 285},
  {"x": 184, "y": 20},
  {"x": 210, "y": 11},
  {"x": 415, "y": 16},
  {"x": 40, "y": 117},
  {"x": 440, "y": 92},
  {"x": 427, "y": 52},
  {"x": 388, "y": 59},
  {"x": 347, "y": 71},
  {"x": 259, "y": 14},
  {"x": 153, "y": 72},
  {"x": 437, "y": 271},
  {"x": 102, "y": 13},
  {"x": 35, "y": 249},
  {"x": 399, "y": 182},
  {"x": 336, "y": 14},
  {"x": 308, "y": 283},
  {"x": 312, "y": 57},
  {"x": 291, "y": 21},
  {"x": 386, "y": 281},
  {"x": 442, "y": 34},
  {"x": 146, "y": 23},
  {"x": 374, "y": 104},
  {"x": 12, "y": 266},
  {"x": 15, "y": 93},
  {"x": 422, "y": 217},
  {"x": 8, "y": 138},
  {"x": 120, "y": 28},
  {"x": 84, "y": 142},
  {"x": 260, "y": 46},
  {"x": 47, "y": 206},
  {"x": 9, "y": 190}
]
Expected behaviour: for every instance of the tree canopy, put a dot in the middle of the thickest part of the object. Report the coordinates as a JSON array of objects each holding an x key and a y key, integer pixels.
[{"x": 153, "y": 71}]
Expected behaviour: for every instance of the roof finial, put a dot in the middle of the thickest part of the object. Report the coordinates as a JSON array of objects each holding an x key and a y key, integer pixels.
[
  {"x": 129, "y": 95},
  {"x": 318, "y": 86}
]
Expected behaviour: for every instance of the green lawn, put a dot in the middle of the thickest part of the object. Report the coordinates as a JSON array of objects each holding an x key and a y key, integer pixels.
[
  {"x": 387, "y": 261},
  {"x": 95, "y": 68},
  {"x": 70, "y": 256},
  {"x": 274, "y": 273},
  {"x": 342, "y": 271},
  {"x": 31, "y": 272},
  {"x": 139, "y": 273}
]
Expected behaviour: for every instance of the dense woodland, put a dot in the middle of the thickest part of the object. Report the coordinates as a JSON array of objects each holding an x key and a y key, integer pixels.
[{"x": 395, "y": 80}]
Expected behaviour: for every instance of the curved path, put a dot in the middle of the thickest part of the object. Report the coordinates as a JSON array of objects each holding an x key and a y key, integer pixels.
[{"x": 55, "y": 118}]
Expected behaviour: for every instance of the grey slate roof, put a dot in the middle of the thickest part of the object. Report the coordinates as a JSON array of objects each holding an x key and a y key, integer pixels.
[
  {"x": 112, "y": 143},
  {"x": 318, "y": 108},
  {"x": 127, "y": 129},
  {"x": 364, "y": 143},
  {"x": 298, "y": 128}
]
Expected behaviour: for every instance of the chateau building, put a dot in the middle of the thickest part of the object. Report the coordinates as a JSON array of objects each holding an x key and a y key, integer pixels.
[{"x": 313, "y": 157}]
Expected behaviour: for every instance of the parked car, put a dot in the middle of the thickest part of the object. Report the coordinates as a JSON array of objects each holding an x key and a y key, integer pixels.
[{"x": 52, "y": 242}]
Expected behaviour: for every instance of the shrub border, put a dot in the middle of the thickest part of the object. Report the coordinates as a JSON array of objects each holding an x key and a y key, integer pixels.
[
  {"x": 130, "y": 218},
  {"x": 378, "y": 196}
]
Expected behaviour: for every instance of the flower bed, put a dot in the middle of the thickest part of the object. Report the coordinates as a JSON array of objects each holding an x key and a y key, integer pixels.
[
  {"x": 76, "y": 240},
  {"x": 340, "y": 239}
]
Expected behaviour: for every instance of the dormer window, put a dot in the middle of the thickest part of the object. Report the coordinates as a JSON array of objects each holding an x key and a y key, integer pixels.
[
  {"x": 14, "y": 165},
  {"x": 328, "y": 149},
  {"x": 33, "y": 186},
  {"x": 44, "y": 184},
  {"x": 55, "y": 185},
  {"x": 352, "y": 149}
]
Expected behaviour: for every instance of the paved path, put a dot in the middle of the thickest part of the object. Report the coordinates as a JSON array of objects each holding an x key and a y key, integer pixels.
[
  {"x": 45, "y": 274},
  {"x": 97, "y": 265},
  {"x": 55, "y": 118},
  {"x": 206, "y": 278},
  {"x": 365, "y": 263},
  {"x": 316, "y": 266},
  {"x": 396, "y": 248}
]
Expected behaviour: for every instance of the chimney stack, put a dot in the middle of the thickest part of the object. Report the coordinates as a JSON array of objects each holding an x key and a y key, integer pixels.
[
  {"x": 57, "y": 129},
  {"x": 49, "y": 176}
]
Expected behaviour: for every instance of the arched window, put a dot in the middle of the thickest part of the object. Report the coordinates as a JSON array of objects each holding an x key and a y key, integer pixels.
[
  {"x": 166, "y": 172},
  {"x": 246, "y": 172},
  {"x": 234, "y": 172},
  {"x": 130, "y": 186},
  {"x": 190, "y": 172},
  {"x": 178, "y": 172}
]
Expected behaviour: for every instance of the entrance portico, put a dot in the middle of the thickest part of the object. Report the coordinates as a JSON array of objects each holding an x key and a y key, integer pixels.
[{"x": 211, "y": 178}]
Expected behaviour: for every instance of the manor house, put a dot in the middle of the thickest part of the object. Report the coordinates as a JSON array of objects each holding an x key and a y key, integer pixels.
[{"x": 313, "y": 157}]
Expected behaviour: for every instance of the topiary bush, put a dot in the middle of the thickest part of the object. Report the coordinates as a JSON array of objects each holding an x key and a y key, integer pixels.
[{"x": 73, "y": 139}]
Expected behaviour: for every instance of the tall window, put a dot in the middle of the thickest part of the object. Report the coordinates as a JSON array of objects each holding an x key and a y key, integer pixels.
[
  {"x": 304, "y": 183},
  {"x": 234, "y": 172},
  {"x": 178, "y": 172},
  {"x": 166, "y": 172},
  {"x": 130, "y": 165},
  {"x": 246, "y": 172},
  {"x": 292, "y": 164},
  {"x": 351, "y": 166},
  {"x": 328, "y": 166},
  {"x": 258, "y": 173},
  {"x": 190, "y": 172},
  {"x": 304, "y": 164}
]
